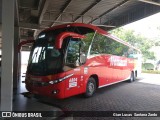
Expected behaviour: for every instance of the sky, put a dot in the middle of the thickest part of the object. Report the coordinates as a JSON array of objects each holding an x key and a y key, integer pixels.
[{"x": 147, "y": 26}]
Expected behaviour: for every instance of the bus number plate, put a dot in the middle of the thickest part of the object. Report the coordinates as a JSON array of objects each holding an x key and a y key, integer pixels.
[{"x": 72, "y": 82}]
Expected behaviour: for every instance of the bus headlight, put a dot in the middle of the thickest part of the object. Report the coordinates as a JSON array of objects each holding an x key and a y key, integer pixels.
[
  {"x": 60, "y": 79},
  {"x": 53, "y": 82}
]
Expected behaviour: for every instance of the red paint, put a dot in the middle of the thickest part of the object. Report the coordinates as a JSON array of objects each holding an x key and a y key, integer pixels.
[{"x": 108, "y": 68}]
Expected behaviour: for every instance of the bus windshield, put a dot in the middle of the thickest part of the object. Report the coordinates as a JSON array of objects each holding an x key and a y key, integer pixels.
[{"x": 45, "y": 59}]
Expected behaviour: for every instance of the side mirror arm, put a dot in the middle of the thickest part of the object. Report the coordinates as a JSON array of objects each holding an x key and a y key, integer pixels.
[
  {"x": 23, "y": 43},
  {"x": 63, "y": 35}
]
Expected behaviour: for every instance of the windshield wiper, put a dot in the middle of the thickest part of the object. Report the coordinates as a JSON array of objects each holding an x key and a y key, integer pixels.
[
  {"x": 33, "y": 59},
  {"x": 41, "y": 58}
]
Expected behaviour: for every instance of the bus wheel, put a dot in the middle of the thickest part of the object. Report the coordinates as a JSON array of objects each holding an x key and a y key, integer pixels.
[
  {"x": 132, "y": 78},
  {"x": 91, "y": 87}
]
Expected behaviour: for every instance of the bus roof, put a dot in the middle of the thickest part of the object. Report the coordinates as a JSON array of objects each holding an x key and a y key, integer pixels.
[
  {"x": 95, "y": 28},
  {"x": 90, "y": 26}
]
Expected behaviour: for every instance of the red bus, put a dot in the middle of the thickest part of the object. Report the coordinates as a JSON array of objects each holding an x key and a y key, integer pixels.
[{"x": 77, "y": 58}]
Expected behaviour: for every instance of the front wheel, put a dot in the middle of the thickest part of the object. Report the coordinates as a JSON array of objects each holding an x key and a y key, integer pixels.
[{"x": 90, "y": 88}]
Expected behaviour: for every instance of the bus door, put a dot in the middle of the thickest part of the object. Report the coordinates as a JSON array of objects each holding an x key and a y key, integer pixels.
[
  {"x": 72, "y": 67},
  {"x": 73, "y": 83},
  {"x": 72, "y": 62}
]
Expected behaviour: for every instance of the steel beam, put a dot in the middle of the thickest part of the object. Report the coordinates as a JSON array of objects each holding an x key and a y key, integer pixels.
[
  {"x": 43, "y": 10},
  {"x": 29, "y": 25},
  {"x": 87, "y": 9},
  {"x": 62, "y": 10},
  {"x": 16, "y": 14},
  {"x": 113, "y": 8},
  {"x": 150, "y": 2},
  {"x": 16, "y": 59},
  {"x": 132, "y": 16}
]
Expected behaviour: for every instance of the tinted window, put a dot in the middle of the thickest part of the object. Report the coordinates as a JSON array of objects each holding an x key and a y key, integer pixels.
[
  {"x": 87, "y": 42},
  {"x": 45, "y": 59},
  {"x": 106, "y": 45}
]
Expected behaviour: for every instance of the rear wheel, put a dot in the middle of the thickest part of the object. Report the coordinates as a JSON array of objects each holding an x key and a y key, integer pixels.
[
  {"x": 132, "y": 78},
  {"x": 90, "y": 88}
]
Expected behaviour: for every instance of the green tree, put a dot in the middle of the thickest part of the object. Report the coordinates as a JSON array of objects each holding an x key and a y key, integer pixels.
[
  {"x": 136, "y": 40},
  {"x": 156, "y": 38}
]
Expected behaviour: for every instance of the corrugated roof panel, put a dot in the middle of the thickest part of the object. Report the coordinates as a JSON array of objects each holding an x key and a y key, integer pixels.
[
  {"x": 50, "y": 16},
  {"x": 78, "y": 6},
  {"x": 74, "y": 9},
  {"x": 46, "y": 24},
  {"x": 29, "y": 3},
  {"x": 121, "y": 10},
  {"x": 85, "y": 19},
  {"x": 130, "y": 5},
  {"x": 99, "y": 9},
  {"x": 103, "y": 6},
  {"x": 55, "y": 5}
]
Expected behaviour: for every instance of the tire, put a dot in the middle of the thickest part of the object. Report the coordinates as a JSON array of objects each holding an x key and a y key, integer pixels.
[
  {"x": 132, "y": 78},
  {"x": 90, "y": 88}
]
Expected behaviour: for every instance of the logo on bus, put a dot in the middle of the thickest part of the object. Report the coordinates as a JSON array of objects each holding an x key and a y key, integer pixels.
[{"x": 117, "y": 61}]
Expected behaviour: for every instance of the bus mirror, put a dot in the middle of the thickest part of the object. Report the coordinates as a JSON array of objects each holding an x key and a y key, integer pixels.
[
  {"x": 23, "y": 43},
  {"x": 63, "y": 35},
  {"x": 82, "y": 58}
]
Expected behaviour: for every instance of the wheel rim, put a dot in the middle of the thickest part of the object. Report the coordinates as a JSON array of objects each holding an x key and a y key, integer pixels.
[
  {"x": 91, "y": 88},
  {"x": 132, "y": 77}
]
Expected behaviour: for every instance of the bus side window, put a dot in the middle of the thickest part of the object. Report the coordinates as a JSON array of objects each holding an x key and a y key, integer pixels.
[
  {"x": 95, "y": 46},
  {"x": 72, "y": 57},
  {"x": 125, "y": 54},
  {"x": 99, "y": 45}
]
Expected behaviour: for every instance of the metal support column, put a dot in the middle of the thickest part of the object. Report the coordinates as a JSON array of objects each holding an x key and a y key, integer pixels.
[
  {"x": 7, "y": 54},
  {"x": 16, "y": 59}
]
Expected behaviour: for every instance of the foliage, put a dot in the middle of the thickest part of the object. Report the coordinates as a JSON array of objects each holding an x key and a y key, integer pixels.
[
  {"x": 147, "y": 66},
  {"x": 151, "y": 71},
  {"x": 136, "y": 40},
  {"x": 103, "y": 44}
]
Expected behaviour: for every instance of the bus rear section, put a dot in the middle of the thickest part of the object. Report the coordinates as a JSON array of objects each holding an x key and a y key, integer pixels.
[{"x": 77, "y": 58}]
